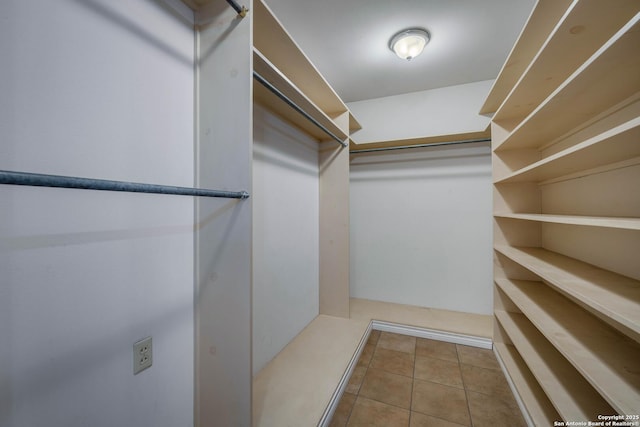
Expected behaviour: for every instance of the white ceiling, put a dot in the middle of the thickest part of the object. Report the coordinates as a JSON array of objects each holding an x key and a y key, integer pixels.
[{"x": 347, "y": 40}]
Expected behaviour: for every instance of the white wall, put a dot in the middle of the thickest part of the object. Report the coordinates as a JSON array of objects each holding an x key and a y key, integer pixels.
[
  {"x": 102, "y": 89},
  {"x": 421, "y": 227},
  {"x": 286, "y": 234},
  {"x": 444, "y": 111}
]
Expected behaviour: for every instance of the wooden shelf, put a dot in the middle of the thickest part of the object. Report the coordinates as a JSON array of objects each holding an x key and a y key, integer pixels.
[
  {"x": 608, "y": 360},
  {"x": 566, "y": 147},
  {"x": 354, "y": 125},
  {"x": 196, "y": 4},
  {"x": 607, "y": 79},
  {"x": 275, "y": 43},
  {"x": 267, "y": 70},
  {"x": 409, "y": 142},
  {"x": 295, "y": 387},
  {"x": 614, "y": 145},
  {"x": 572, "y": 395},
  {"x": 538, "y": 405},
  {"x": 591, "y": 221},
  {"x": 581, "y": 32},
  {"x": 540, "y": 23},
  {"x": 610, "y": 296}
]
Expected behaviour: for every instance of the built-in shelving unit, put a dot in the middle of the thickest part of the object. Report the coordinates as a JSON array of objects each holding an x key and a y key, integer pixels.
[
  {"x": 581, "y": 22},
  {"x": 281, "y": 61},
  {"x": 554, "y": 373},
  {"x": 566, "y": 166},
  {"x": 602, "y": 81},
  {"x": 539, "y": 407},
  {"x": 614, "y": 145},
  {"x": 614, "y": 298},
  {"x": 265, "y": 97},
  {"x": 540, "y": 23},
  {"x": 601, "y": 355},
  {"x": 245, "y": 56}
]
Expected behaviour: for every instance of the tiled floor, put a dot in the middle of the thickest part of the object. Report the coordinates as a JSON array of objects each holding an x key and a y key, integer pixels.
[{"x": 414, "y": 382}]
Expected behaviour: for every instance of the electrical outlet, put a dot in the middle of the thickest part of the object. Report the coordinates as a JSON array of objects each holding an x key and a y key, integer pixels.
[{"x": 142, "y": 355}]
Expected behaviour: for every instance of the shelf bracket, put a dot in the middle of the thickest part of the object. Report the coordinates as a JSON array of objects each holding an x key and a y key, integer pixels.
[{"x": 242, "y": 10}]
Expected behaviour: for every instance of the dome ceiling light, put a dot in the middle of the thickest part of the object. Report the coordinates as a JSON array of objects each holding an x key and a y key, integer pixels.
[{"x": 408, "y": 44}]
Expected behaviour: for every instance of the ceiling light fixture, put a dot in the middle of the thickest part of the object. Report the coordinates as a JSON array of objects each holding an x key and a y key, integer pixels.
[{"x": 408, "y": 44}]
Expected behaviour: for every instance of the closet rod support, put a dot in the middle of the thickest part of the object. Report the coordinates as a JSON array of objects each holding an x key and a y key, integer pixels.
[
  {"x": 406, "y": 147},
  {"x": 242, "y": 11},
  {"x": 58, "y": 181},
  {"x": 295, "y": 106}
]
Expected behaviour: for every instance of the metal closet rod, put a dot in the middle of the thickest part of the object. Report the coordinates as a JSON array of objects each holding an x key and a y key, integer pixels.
[
  {"x": 58, "y": 181},
  {"x": 242, "y": 11},
  {"x": 295, "y": 106},
  {"x": 406, "y": 147}
]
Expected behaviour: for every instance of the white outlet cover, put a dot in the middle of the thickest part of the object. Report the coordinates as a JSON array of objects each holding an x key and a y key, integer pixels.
[{"x": 142, "y": 355}]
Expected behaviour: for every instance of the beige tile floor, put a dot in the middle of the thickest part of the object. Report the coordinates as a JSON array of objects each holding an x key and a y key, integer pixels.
[{"x": 414, "y": 382}]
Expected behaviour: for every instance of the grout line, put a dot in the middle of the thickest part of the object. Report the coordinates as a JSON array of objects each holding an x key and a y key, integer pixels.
[
  {"x": 351, "y": 410},
  {"x": 466, "y": 395},
  {"x": 413, "y": 376},
  {"x": 464, "y": 385},
  {"x": 366, "y": 368},
  {"x": 386, "y": 403},
  {"x": 375, "y": 349}
]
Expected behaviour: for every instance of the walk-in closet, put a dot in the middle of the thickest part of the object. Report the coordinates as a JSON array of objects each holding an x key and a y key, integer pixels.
[{"x": 202, "y": 225}]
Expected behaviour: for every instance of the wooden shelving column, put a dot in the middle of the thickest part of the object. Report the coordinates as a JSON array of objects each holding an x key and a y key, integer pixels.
[
  {"x": 566, "y": 172},
  {"x": 223, "y": 231},
  {"x": 279, "y": 59},
  {"x": 230, "y": 48}
]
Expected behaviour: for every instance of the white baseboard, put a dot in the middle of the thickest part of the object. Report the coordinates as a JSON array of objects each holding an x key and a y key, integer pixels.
[
  {"x": 325, "y": 420},
  {"x": 432, "y": 334},
  {"x": 514, "y": 390},
  {"x": 413, "y": 331}
]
